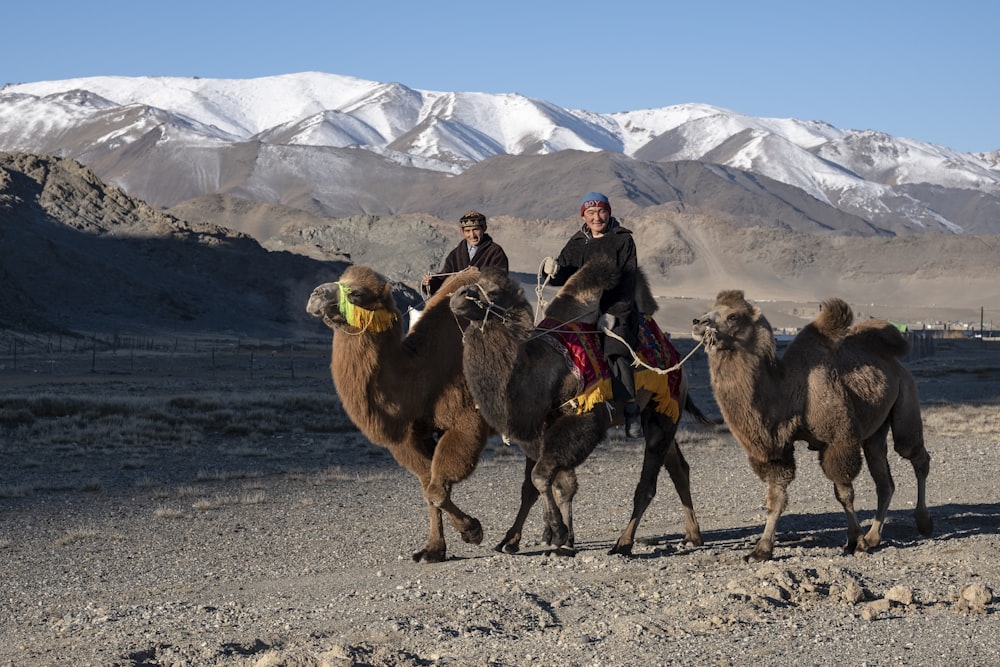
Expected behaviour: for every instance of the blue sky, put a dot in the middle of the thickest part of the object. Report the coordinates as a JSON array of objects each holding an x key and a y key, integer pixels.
[{"x": 923, "y": 70}]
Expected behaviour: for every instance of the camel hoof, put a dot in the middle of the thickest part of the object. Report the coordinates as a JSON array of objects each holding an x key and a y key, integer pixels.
[
  {"x": 563, "y": 551},
  {"x": 694, "y": 540},
  {"x": 925, "y": 524},
  {"x": 758, "y": 555},
  {"x": 870, "y": 541},
  {"x": 621, "y": 549},
  {"x": 429, "y": 556},
  {"x": 508, "y": 547},
  {"x": 474, "y": 533},
  {"x": 557, "y": 536},
  {"x": 855, "y": 547}
]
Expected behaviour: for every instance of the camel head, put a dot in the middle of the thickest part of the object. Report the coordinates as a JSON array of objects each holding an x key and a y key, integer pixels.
[
  {"x": 494, "y": 296},
  {"x": 361, "y": 299},
  {"x": 732, "y": 323}
]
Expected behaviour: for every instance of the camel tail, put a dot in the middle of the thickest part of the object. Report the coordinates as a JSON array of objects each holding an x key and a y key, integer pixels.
[
  {"x": 699, "y": 416},
  {"x": 835, "y": 318}
]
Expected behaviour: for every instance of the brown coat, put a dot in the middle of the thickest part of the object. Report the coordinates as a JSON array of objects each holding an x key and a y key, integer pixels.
[{"x": 488, "y": 253}]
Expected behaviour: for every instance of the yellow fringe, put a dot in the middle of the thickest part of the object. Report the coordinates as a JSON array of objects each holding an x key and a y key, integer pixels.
[
  {"x": 596, "y": 393},
  {"x": 659, "y": 386},
  {"x": 369, "y": 320},
  {"x": 655, "y": 383}
]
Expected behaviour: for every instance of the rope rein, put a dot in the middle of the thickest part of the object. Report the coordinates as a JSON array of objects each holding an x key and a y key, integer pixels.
[
  {"x": 425, "y": 290},
  {"x": 540, "y": 303},
  {"x": 489, "y": 308},
  {"x": 636, "y": 361}
]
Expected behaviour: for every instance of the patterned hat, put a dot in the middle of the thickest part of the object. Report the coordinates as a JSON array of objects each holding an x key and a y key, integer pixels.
[
  {"x": 473, "y": 219},
  {"x": 594, "y": 200}
]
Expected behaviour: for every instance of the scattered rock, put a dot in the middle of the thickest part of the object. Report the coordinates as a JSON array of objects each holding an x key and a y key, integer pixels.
[
  {"x": 853, "y": 592},
  {"x": 900, "y": 594},
  {"x": 973, "y": 598},
  {"x": 875, "y": 609}
]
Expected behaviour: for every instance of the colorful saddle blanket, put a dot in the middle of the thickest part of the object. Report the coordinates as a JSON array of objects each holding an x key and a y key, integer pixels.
[{"x": 581, "y": 344}]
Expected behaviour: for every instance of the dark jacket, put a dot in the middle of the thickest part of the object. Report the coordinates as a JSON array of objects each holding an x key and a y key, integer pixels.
[
  {"x": 488, "y": 253},
  {"x": 616, "y": 243}
]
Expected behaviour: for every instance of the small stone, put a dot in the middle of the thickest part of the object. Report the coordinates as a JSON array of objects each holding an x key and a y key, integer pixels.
[
  {"x": 875, "y": 609},
  {"x": 853, "y": 592},
  {"x": 900, "y": 594},
  {"x": 973, "y": 598}
]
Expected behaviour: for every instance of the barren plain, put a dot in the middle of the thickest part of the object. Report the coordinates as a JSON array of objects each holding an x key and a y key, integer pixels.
[{"x": 208, "y": 503}]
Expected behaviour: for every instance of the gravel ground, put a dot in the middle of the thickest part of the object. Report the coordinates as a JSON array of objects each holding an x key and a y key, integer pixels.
[{"x": 296, "y": 551}]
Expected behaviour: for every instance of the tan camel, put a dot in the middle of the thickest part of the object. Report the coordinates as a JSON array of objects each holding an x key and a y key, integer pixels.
[
  {"x": 840, "y": 388},
  {"x": 407, "y": 394},
  {"x": 527, "y": 389}
]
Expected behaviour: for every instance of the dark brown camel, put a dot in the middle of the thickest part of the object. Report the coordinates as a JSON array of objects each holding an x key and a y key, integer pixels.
[
  {"x": 525, "y": 389},
  {"x": 840, "y": 388},
  {"x": 407, "y": 394}
]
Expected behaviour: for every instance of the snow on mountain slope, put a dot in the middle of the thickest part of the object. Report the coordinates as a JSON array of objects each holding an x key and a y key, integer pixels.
[{"x": 450, "y": 131}]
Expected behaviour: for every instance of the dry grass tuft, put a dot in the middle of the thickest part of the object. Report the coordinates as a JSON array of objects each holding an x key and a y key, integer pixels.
[
  {"x": 77, "y": 535},
  {"x": 960, "y": 420}
]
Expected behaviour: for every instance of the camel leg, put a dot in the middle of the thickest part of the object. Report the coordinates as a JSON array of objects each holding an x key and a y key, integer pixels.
[
  {"x": 415, "y": 454},
  {"x": 921, "y": 462},
  {"x": 556, "y": 532},
  {"x": 908, "y": 441},
  {"x": 841, "y": 463},
  {"x": 511, "y": 542},
  {"x": 652, "y": 460},
  {"x": 411, "y": 459},
  {"x": 680, "y": 474},
  {"x": 454, "y": 459},
  {"x": 564, "y": 487},
  {"x": 876, "y": 450},
  {"x": 661, "y": 450},
  {"x": 568, "y": 442},
  {"x": 778, "y": 475}
]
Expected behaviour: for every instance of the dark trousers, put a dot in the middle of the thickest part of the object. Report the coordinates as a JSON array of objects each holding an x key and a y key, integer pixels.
[{"x": 622, "y": 378}]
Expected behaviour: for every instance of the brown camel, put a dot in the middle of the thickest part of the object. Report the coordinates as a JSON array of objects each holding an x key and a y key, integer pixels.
[
  {"x": 527, "y": 389},
  {"x": 407, "y": 394},
  {"x": 840, "y": 388}
]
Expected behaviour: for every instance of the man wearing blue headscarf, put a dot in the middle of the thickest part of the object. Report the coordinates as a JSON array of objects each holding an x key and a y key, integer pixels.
[{"x": 602, "y": 233}]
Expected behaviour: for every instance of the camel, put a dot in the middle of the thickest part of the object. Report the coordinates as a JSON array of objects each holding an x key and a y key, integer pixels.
[
  {"x": 526, "y": 386},
  {"x": 839, "y": 387},
  {"x": 407, "y": 394}
]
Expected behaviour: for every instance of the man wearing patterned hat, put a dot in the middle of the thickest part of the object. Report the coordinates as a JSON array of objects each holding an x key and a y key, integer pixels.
[
  {"x": 477, "y": 249},
  {"x": 601, "y": 233}
]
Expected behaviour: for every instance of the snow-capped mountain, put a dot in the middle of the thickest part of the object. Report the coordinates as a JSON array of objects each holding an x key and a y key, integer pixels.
[{"x": 166, "y": 139}]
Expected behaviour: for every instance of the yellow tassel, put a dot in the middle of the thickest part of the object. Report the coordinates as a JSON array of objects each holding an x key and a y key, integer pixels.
[
  {"x": 594, "y": 394},
  {"x": 659, "y": 386},
  {"x": 369, "y": 320}
]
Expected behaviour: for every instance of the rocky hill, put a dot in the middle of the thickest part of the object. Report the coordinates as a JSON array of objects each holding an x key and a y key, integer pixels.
[{"x": 78, "y": 255}]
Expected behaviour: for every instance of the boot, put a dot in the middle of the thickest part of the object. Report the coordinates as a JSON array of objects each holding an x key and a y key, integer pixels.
[{"x": 633, "y": 421}]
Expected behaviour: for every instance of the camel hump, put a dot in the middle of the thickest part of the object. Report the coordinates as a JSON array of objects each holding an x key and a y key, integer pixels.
[
  {"x": 835, "y": 318},
  {"x": 881, "y": 335},
  {"x": 599, "y": 272}
]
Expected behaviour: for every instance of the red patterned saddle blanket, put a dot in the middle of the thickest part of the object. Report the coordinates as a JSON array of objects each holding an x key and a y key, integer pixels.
[{"x": 581, "y": 345}]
